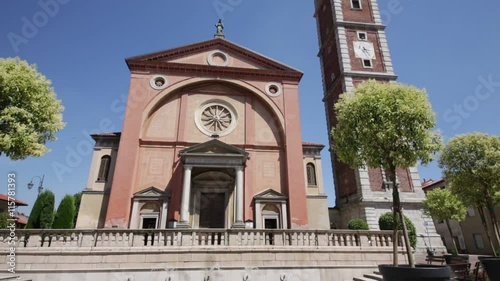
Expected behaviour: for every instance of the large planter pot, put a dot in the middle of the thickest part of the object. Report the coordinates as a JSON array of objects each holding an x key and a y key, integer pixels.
[
  {"x": 418, "y": 273},
  {"x": 491, "y": 266},
  {"x": 456, "y": 258}
]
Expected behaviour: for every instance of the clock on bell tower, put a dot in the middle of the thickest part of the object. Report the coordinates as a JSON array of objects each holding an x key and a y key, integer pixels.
[{"x": 353, "y": 48}]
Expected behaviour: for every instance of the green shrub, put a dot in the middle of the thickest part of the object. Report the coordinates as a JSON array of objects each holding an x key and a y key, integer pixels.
[
  {"x": 78, "y": 199},
  {"x": 65, "y": 215},
  {"x": 386, "y": 222},
  {"x": 42, "y": 214},
  {"x": 357, "y": 224},
  {"x": 4, "y": 220}
]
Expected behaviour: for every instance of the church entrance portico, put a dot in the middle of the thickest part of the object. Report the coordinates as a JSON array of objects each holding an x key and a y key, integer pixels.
[
  {"x": 212, "y": 190},
  {"x": 212, "y": 199}
]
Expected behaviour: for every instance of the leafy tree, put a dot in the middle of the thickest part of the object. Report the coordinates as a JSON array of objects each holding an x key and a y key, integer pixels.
[
  {"x": 444, "y": 205},
  {"x": 65, "y": 214},
  {"x": 4, "y": 220},
  {"x": 471, "y": 165},
  {"x": 30, "y": 113},
  {"x": 78, "y": 199},
  {"x": 42, "y": 214},
  {"x": 357, "y": 224},
  {"x": 386, "y": 222},
  {"x": 386, "y": 125}
]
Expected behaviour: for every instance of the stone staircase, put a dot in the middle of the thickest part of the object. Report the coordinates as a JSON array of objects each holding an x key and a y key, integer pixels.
[
  {"x": 376, "y": 276},
  {"x": 12, "y": 278}
]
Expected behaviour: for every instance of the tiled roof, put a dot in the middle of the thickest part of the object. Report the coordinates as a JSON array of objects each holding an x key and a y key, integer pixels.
[
  {"x": 306, "y": 143},
  {"x": 431, "y": 182},
  {"x": 116, "y": 134},
  {"x": 4, "y": 197}
]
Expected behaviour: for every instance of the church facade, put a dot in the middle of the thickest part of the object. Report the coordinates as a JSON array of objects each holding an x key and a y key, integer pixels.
[{"x": 211, "y": 139}]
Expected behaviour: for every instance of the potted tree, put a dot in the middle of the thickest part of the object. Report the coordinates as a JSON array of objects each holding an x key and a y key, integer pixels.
[
  {"x": 471, "y": 165},
  {"x": 389, "y": 125},
  {"x": 443, "y": 205}
]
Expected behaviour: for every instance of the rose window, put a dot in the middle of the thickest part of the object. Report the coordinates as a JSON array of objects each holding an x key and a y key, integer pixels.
[{"x": 216, "y": 118}]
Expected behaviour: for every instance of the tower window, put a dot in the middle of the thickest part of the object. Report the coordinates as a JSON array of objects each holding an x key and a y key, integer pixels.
[
  {"x": 311, "y": 174},
  {"x": 356, "y": 4},
  {"x": 362, "y": 36},
  {"x": 104, "y": 168},
  {"x": 367, "y": 64}
]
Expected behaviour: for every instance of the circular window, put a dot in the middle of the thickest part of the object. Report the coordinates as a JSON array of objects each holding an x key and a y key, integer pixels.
[
  {"x": 158, "y": 82},
  {"x": 216, "y": 118},
  {"x": 218, "y": 58},
  {"x": 273, "y": 89}
]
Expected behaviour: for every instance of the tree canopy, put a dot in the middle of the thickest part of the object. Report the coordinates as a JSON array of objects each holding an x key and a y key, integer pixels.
[
  {"x": 471, "y": 164},
  {"x": 385, "y": 124},
  {"x": 65, "y": 214},
  {"x": 78, "y": 199},
  {"x": 444, "y": 205},
  {"x": 42, "y": 214},
  {"x": 30, "y": 113}
]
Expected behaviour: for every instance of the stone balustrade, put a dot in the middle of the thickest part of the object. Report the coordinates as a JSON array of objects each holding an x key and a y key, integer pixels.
[{"x": 192, "y": 238}]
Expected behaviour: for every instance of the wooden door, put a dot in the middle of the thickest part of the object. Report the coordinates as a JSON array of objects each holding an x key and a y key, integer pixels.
[{"x": 212, "y": 210}]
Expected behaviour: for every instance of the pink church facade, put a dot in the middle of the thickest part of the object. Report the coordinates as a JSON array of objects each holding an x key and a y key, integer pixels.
[{"x": 211, "y": 139}]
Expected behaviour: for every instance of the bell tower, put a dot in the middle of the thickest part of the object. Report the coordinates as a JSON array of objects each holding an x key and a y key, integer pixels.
[{"x": 353, "y": 48}]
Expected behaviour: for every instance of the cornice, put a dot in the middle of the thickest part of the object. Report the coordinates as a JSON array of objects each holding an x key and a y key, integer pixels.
[
  {"x": 366, "y": 74},
  {"x": 362, "y": 25},
  {"x": 214, "y": 71}
]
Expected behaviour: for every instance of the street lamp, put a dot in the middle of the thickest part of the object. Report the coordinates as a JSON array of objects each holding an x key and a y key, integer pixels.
[{"x": 40, "y": 186}]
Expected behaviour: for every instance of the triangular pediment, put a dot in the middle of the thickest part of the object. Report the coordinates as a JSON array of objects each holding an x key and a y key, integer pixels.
[
  {"x": 270, "y": 195},
  {"x": 150, "y": 192},
  {"x": 213, "y": 147},
  {"x": 206, "y": 54}
]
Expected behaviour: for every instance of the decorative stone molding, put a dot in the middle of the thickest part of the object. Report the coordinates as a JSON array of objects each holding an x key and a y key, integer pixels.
[
  {"x": 218, "y": 58},
  {"x": 273, "y": 89},
  {"x": 158, "y": 82},
  {"x": 216, "y": 117}
]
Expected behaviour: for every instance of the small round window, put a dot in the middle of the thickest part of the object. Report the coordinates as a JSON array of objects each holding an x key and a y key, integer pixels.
[
  {"x": 218, "y": 58},
  {"x": 216, "y": 118},
  {"x": 273, "y": 89},
  {"x": 158, "y": 82}
]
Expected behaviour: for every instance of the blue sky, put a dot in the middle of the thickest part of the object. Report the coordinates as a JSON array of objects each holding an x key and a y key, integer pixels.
[{"x": 451, "y": 49}]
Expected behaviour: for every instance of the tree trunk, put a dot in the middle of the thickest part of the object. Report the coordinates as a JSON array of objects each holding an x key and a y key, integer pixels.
[
  {"x": 451, "y": 234},
  {"x": 493, "y": 216},
  {"x": 398, "y": 210},
  {"x": 486, "y": 228},
  {"x": 395, "y": 238}
]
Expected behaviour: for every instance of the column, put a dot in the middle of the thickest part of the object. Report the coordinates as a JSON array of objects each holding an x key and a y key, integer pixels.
[
  {"x": 284, "y": 215},
  {"x": 163, "y": 216},
  {"x": 239, "y": 223},
  {"x": 186, "y": 194},
  {"x": 134, "y": 224},
  {"x": 258, "y": 215}
]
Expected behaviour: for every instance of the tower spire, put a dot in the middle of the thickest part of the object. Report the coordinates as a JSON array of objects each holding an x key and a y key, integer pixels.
[{"x": 220, "y": 30}]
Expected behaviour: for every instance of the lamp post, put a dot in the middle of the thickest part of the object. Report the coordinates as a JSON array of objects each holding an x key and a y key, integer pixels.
[{"x": 40, "y": 186}]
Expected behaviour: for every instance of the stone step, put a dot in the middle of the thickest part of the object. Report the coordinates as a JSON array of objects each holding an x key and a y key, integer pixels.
[
  {"x": 12, "y": 278},
  {"x": 361, "y": 279},
  {"x": 374, "y": 276}
]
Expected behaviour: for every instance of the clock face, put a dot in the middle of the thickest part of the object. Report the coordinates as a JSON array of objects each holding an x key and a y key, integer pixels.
[{"x": 364, "y": 50}]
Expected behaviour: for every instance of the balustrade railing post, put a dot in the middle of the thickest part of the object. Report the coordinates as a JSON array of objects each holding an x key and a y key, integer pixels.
[
  {"x": 322, "y": 238},
  {"x": 138, "y": 239},
  {"x": 364, "y": 240},
  {"x": 233, "y": 238},
  {"x": 34, "y": 240}
]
